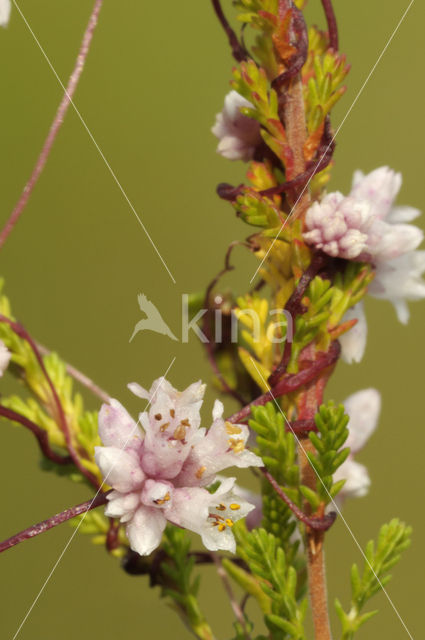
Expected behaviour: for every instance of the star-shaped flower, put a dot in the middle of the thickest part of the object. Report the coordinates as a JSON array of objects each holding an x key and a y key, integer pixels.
[{"x": 160, "y": 474}]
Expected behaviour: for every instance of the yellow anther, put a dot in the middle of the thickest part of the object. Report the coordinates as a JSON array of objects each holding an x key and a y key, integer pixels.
[
  {"x": 234, "y": 506},
  {"x": 221, "y": 526},
  {"x": 221, "y": 507},
  {"x": 163, "y": 500},
  {"x": 236, "y": 445},
  {"x": 200, "y": 472},
  {"x": 232, "y": 428},
  {"x": 180, "y": 432},
  {"x": 185, "y": 422},
  {"x": 229, "y": 522}
]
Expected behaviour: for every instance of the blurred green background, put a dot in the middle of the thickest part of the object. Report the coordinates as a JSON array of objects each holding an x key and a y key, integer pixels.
[{"x": 155, "y": 78}]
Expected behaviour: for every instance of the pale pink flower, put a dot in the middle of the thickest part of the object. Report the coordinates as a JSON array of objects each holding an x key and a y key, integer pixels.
[
  {"x": 5, "y": 356},
  {"x": 366, "y": 226},
  {"x": 238, "y": 134},
  {"x": 338, "y": 226},
  {"x": 160, "y": 474},
  {"x": 5, "y": 8},
  {"x": 363, "y": 409}
]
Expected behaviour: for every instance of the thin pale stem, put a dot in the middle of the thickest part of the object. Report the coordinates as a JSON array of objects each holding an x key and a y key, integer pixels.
[
  {"x": 232, "y": 598},
  {"x": 56, "y": 124},
  {"x": 54, "y": 521}
]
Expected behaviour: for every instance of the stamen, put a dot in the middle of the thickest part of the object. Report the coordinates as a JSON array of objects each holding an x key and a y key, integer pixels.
[
  {"x": 180, "y": 432},
  {"x": 158, "y": 416},
  {"x": 163, "y": 500},
  {"x": 164, "y": 427},
  {"x": 232, "y": 429},
  {"x": 221, "y": 526},
  {"x": 185, "y": 422},
  {"x": 215, "y": 517},
  {"x": 172, "y": 413},
  {"x": 200, "y": 472},
  {"x": 234, "y": 506},
  {"x": 229, "y": 522},
  {"x": 236, "y": 445},
  {"x": 221, "y": 507}
]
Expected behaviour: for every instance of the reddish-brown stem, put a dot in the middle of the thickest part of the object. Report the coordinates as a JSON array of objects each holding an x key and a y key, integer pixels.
[
  {"x": 80, "y": 377},
  {"x": 54, "y": 521},
  {"x": 39, "y": 433},
  {"x": 231, "y": 596},
  {"x": 292, "y": 382},
  {"x": 315, "y": 523},
  {"x": 22, "y": 333},
  {"x": 112, "y": 537},
  {"x": 294, "y": 306},
  {"x": 56, "y": 125},
  {"x": 332, "y": 24},
  {"x": 207, "y": 324},
  {"x": 238, "y": 51}
]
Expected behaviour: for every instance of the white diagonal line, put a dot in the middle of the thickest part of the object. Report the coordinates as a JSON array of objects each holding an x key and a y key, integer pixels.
[
  {"x": 334, "y": 504},
  {"x": 45, "y": 583},
  {"x": 371, "y": 72},
  {"x": 99, "y": 150}
]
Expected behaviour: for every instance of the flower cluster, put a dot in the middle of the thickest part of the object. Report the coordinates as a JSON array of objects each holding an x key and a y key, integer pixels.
[
  {"x": 366, "y": 226},
  {"x": 238, "y": 135},
  {"x": 161, "y": 474}
]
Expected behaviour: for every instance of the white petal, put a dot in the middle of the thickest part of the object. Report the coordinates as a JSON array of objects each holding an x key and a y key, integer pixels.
[
  {"x": 238, "y": 134},
  {"x": 363, "y": 409},
  {"x": 156, "y": 494},
  {"x": 117, "y": 428},
  {"x": 119, "y": 468},
  {"x": 380, "y": 187},
  {"x": 403, "y": 214},
  {"x": 389, "y": 241},
  {"x": 221, "y": 448},
  {"x": 190, "y": 508},
  {"x": 353, "y": 343},
  {"x": 145, "y": 530},
  {"x": 138, "y": 391},
  {"x": 218, "y": 410},
  {"x": 5, "y": 7},
  {"x": 402, "y": 310},
  {"x": 121, "y": 504},
  {"x": 357, "y": 480},
  {"x": 209, "y": 515},
  {"x": 399, "y": 280},
  {"x": 5, "y": 356}
]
